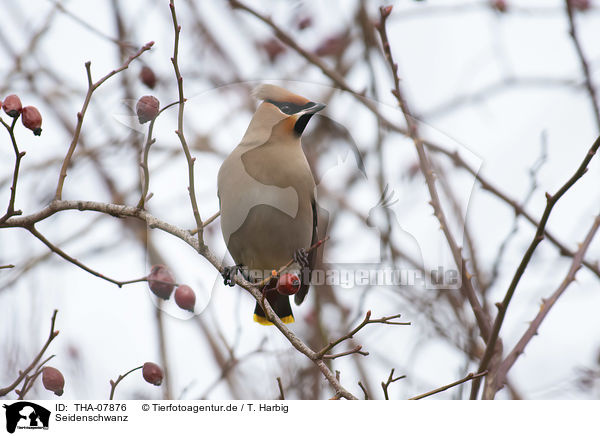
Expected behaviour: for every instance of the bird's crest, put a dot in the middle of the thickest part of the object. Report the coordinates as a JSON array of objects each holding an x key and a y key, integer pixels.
[{"x": 278, "y": 94}]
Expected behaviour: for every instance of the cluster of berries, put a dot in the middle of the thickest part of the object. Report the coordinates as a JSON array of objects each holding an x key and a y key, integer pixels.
[
  {"x": 31, "y": 117},
  {"x": 162, "y": 283}
]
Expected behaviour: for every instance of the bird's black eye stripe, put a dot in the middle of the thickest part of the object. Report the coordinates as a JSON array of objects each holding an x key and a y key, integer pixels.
[{"x": 290, "y": 108}]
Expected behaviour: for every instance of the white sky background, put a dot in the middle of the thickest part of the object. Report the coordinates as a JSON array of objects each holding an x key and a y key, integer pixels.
[{"x": 443, "y": 52}]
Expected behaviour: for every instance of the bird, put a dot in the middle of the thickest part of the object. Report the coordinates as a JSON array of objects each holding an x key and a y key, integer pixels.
[{"x": 267, "y": 198}]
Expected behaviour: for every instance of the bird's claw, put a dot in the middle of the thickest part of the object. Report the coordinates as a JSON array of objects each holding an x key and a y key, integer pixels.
[
  {"x": 229, "y": 273},
  {"x": 301, "y": 257}
]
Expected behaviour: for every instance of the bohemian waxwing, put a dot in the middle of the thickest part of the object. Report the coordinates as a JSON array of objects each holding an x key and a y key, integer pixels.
[{"x": 267, "y": 197}]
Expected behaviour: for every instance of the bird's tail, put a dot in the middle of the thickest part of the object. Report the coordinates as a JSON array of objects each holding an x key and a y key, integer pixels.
[{"x": 281, "y": 306}]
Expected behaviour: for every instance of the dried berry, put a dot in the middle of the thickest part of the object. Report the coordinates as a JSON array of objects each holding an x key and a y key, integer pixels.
[
  {"x": 581, "y": 5},
  {"x": 185, "y": 297},
  {"x": 152, "y": 373},
  {"x": 304, "y": 22},
  {"x": 288, "y": 284},
  {"x": 334, "y": 45},
  {"x": 500, "y": 5},
  {"x": 147, "y": 108},
  {"x": 161, "y": 281},
  {"x": 12, "y": 106},
  {"x": 53, "y": 380},
  {"x": 32, "y": 119},
  {"x": 273, "y": 48},
  {"x": 148, "y": 77}
]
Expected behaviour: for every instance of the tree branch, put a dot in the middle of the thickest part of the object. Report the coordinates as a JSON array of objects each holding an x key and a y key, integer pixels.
[
  {"x": 80, "y": 115},
  {"x": 385, "y": 385},
  {"x": 589, "y": 84},
  {"x": 26, "y": 371},
  {"x": 186, "y": 150},
  {"x": 469, "y": 376},
  {"x": 113, "y": 384},
  {"x": 551, "y": 200},
  {"x": 545, "y": 308},
  {"x": 481, "y": 316}
]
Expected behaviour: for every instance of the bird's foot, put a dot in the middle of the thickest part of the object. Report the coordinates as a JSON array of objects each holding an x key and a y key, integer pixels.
[
  {"x": 229, "y": 273},
  {"x": 301, "y": 257}
]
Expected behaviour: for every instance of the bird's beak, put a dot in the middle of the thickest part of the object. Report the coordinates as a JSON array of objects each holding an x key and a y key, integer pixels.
[
  {"x": 316, "y": 107},
  {"x": 304, "y": 116}
]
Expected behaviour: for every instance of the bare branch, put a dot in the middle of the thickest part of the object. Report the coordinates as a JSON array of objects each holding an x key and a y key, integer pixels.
[
  {"x": 469, "y": 376},
  {"x": 355, "y": 350},
  {"x": 589, "y": 84},
  {"x": 22, "y": 374},
  {"x": 281, "y": 395},
  {"x": 391, "y": 379},
  {"x": 180, "y": 134},
  {"x": 551, "y": 200},
  {"x": 483, "y": 319},
  {"x": 10, "y": 211},
  {"x": 113, "y": 384},
  {"x": 545, "y": 308},
  {"x": 80, "y": 115},
  {"x": 367, "y": 320},
  {"x": 366, "y": 394}
]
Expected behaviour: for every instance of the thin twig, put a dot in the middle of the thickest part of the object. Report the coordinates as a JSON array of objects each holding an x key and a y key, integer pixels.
[
  {"x": 10, "y": 211},
  {"x": 113, "y": 384},
  {"x": 545, "y": 307},
  {"x": 385, "y": 385},
  {"x": 366, "y": 394},
  {"x": 186, "y": 150},
  {"x": 22, "y": 374},
  {"x": 482, "y": 317},
  {"x": 211, "y": 219},
  {"x": 92, "y": 86},
  {"x": 551, "y": 200},
  {"x": 30, "y": 379},
  {"x": 367, "y": 320},
  {"x": 589, "y": 84},
  {"x": 514, "y": 204},
  {"x": 281, "y": 394},
  {"x": 144, "y": 164},
  {"x": 469, "y": 376},
  {"x": 355, "y": 350},
  {"x": 75, "y": 262}
]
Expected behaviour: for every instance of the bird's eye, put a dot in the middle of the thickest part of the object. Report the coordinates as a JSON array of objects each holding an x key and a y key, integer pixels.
[{"x": 285, "y": 108}]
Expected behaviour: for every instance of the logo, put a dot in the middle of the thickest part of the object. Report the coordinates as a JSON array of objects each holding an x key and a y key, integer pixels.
[{"x": 26, "y": 415}]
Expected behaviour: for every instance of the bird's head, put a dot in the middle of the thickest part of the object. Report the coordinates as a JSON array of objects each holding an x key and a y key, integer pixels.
[{"x": 281, "y": 112}]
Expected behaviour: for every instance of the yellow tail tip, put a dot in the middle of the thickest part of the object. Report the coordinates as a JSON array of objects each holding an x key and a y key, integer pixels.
[{"x": 264, "y": 321}]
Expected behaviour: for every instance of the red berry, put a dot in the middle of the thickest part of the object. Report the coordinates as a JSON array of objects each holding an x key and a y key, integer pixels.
[
  {"x": 185, "y": 297},
  {"x": 53, "y": 380},
  {"x": 32, "y": 119},
  {"x": 500, "y": 5},
  {"x": 304, "y": 22},
  {"x": 161, "y": 281},
  {"x": 148, "y": 77},
  {"x": 288, "y": 284},
  {"x": 273, "y": 48},
  {"x": 12, "y": 106},
  {"x": 582, "y": 5},
  {"x": 152, "y": 373},
  {"x": 147, "y": 108},
  {"x": 334, "y": 45}
]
